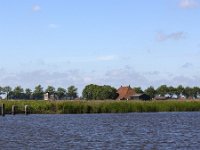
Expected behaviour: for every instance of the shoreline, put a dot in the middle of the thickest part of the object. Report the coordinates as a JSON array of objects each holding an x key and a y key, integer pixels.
[{"x": 99, "y": 106}]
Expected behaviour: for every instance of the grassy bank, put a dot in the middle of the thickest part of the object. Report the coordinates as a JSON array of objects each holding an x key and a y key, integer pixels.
[{"x": 78, "y": 107}]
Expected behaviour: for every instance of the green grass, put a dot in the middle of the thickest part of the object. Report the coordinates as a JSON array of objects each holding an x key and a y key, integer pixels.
[{"x": 108, "y": 106}]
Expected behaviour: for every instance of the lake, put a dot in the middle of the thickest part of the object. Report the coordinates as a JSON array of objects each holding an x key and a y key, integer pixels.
[{"x": 101, "y": 131}]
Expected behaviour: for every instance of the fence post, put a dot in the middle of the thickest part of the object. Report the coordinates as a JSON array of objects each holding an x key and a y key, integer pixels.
[
  {"x": 13, "y": 109},
  {"x": 3, "y": 109},
  {"x": 26, "y": 109}
]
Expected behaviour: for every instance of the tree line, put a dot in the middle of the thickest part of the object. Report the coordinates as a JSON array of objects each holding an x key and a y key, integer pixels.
[
  {"x": 95, "y": 92},
  {"x": 163, "y": 90},
  {"x": 38, "y": 93}
]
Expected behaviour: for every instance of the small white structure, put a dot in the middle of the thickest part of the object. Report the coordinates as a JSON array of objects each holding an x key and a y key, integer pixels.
[{"x": 48, "y": 96}]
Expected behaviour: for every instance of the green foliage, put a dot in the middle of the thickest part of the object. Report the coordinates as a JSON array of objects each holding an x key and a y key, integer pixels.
[
  {"x": 28, "y": 94},
  {"x": 38, "y": 92},
  {"x": 180, "y": 90},
  {"x": 162, "y": 90},
  {"x": 171, "y": 90},
  {"x": 96, "y": 92},
  {"x": 17, "y": 93},
  {"x": 150, "y": 91},
  {"x": 1, "y": 91},
  {"x": 138, "y": 90},
  {"x": 61, "y": 93},
  {"x": 7, "y": 90},
  {"x": 50, "y": 90},
  {"x": 72, "y": 92},
  {"x": 196, "y": 91},
  {"x": 99, "y": 92}
]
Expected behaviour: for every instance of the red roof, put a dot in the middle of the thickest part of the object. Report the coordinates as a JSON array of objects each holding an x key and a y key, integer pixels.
[{"x": 125, "y": 92}]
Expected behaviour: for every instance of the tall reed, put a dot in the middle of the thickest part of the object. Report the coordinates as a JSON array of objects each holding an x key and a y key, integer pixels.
[{"x": 107, "y": 106}]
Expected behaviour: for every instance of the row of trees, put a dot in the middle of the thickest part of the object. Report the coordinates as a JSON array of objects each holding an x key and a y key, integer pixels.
[
  {"x": 38, "y": 93},
  {"x": 95, "y": 92},
  {"x": 107, "y": 92},
  {"x": 187, "y": 92}
]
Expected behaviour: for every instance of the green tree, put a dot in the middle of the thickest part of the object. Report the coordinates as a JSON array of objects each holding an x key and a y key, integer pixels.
[
  {"x": 28, "y": 94},
  {"x": 96, "y": 92},
  {"x": 1, "y": 91},
  {"x": 106, "y": 92},
  {"x": 138, "y": 90},
  {"x": 110, "y": 92},
  {"x": 188, "y": 92},
  {"x": 180, "y": 90},
  {"x": 162, "y": 90},
  {"x": 61, "y": 93},
  {"x": 50, "y": 90},
  {"x": 38, "y": 93},
  {"x": 196, "y": 91},
  {"x": 150, "y": 91},
  {"x": 7, "y": 90},
  {"x": 89, "y": 91},
  {"x": 72, "y": 92},
  {"x": 18, "y": 93},
  {"x": 171, "y": 90}
]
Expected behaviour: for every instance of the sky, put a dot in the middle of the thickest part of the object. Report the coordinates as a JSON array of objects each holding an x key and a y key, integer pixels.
[{"x": 104, "y": 42}]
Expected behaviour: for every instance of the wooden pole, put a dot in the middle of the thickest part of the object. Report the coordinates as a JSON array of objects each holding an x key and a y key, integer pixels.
[
  {"x": 26, "y": 109},
  {"x": 13, "y": 109},
  {"x": 3, "y": 109}
]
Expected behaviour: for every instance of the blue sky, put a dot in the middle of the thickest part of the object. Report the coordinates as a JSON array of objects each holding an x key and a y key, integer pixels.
[{"x": 113, "y": 42}]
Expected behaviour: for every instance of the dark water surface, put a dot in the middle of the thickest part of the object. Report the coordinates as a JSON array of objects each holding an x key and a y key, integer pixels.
[{"x": 101, "y": 131}]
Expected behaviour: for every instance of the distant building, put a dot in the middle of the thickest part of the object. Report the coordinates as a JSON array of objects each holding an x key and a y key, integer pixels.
[
  {"x": 48, "y": 96},
  {"x": 140, "y": 97},
  {"x": 125, "y": 93},
  {"x": 128, "y": 93},
  {"x": 174, "y": 96},
  {"x": 181, "y": 96},
  {"x": 161, "y": 98}
]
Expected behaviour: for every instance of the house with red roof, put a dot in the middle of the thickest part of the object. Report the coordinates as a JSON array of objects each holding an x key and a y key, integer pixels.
[
  {"x": 128, "y": 93},
  {"x": 125, "y": 92}
]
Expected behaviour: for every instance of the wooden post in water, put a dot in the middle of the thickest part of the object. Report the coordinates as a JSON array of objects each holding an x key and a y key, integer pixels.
[
  {"x": 3, "y": 109},
  {"x": 13, "y": 109},
  {"x": 26, "y": 109}
]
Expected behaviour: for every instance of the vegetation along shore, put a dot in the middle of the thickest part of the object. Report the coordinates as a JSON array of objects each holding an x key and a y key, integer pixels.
[
  {"x": 97, "y": 106},
  {"x": 100, "y": 99}
]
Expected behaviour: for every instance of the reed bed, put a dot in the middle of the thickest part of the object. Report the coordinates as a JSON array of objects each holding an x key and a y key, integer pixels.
[{"x": 95, "y": 106}]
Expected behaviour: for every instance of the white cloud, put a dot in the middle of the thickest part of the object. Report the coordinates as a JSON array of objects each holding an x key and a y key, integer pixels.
[
  {"x": 125, "y": 76},
  {"x": 186, "y": 81},
  {"x": 152, "y": 73},
  {"x": 187, "y": 65},
  {"x": 53, "y": 26},
  {"x": 188, "y": 4},
  {"x": 113, "y": 77},
  {"x": 45, "y": 78},
  {"x": 36, "y": 8},
  {"x": 107, "y": 58},
  {"x": 172, "y": 36}
]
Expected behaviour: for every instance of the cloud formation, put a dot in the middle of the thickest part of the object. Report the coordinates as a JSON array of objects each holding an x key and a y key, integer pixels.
[
  {"x": 113, "y": 77},
  {"x": 107, "y": 58},
  {"x": 53, "y": 26},
  {"x": 36, "y": 8},
  {"x": 187, "y": 65},
  {"x": 188, "y": 4},
  {"x": 172, "y": 36}
]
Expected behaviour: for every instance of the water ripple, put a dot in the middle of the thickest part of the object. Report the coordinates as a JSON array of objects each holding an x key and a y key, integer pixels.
[{"x": 101, "y": 131}]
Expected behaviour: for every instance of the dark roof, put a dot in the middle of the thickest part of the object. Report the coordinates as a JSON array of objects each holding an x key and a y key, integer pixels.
[
  {"x": 160, "y": 98},
  {"x": 138, "y": 94},
  {"x": 125, "y": 92}
]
